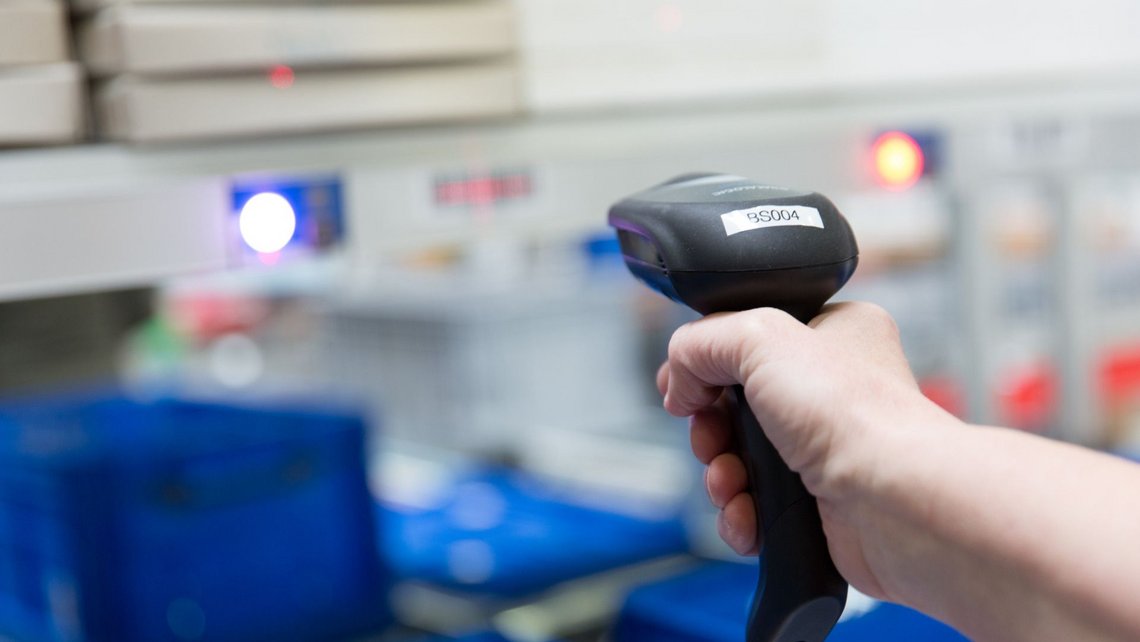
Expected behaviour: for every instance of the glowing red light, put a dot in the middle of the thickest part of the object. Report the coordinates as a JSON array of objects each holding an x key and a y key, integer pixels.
[
  {"x": 898, "y": 160},
  {"x": 482, "y": 190},
  {"x": 281, "y": 76}
]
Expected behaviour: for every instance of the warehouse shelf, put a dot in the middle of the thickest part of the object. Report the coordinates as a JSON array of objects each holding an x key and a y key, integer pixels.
[
  {"x": 583, "y": 134},
  {"x": 99, "y": 216}
]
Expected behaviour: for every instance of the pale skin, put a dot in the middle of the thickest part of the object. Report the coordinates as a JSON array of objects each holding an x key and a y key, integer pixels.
[{"x": 1003, "y": 535}]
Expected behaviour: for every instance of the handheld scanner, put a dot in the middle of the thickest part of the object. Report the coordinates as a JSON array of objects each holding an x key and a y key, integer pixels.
[{"x": 715, "y": 243}]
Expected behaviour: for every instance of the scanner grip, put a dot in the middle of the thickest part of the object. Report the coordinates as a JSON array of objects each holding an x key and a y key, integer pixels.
[{"x": 799, "y": 594}]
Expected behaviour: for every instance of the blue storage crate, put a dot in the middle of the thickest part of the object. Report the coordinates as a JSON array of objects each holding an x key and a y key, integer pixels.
[
  {"x": 538, "y": 538},
  {"x": 710, "y": 604},
  {"x": 123, "y": 521},
  {"x": 486, "y": 636}
]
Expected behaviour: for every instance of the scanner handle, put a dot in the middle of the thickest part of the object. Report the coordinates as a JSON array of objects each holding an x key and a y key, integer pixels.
[{"x": 799, "y": 594}]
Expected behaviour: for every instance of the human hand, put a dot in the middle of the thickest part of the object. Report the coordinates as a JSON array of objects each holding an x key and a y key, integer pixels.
[{"x": 832, "y": 397}]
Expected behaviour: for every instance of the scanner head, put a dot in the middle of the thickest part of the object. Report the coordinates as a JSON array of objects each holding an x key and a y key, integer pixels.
[{"x": 718, "y": 242}]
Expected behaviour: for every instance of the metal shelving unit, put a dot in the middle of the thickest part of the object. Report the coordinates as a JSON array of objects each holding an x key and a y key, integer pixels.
[
  {"x": 98, "y": 216},
  {"x": 106, "y": 216}
]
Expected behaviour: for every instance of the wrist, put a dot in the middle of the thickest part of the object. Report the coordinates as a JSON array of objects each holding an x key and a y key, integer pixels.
[{"x": 885, "y": 455}]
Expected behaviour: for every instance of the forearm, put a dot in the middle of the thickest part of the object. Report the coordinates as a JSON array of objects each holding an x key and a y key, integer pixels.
[{"x": 1009, "y": 536}]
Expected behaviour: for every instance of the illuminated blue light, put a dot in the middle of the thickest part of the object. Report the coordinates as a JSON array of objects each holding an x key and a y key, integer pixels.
[{"x": 267, "y": 222}]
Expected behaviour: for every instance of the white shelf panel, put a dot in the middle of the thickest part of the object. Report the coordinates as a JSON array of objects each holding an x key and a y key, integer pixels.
[{"x": 98, "y": 238}]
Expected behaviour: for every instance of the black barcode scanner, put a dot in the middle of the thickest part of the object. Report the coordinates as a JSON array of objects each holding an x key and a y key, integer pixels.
[{"x": 717, "y": 243}]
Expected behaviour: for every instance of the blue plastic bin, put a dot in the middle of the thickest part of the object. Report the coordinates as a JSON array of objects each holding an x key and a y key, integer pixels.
[
  {"x": 123, "y": 521},
  {"x": 710, "y": 604},
  {"x": 474, "y": 637},
  {"x": 538, "y": 538}
]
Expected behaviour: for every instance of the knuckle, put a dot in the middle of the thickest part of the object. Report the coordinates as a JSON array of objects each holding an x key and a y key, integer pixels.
[
  {"x": 679, "y": 342},
  {"x": 770, "y": 319},
  {"x": 764, "y": 325},
  {"x": 764, "y": 330},
  {"x": 878, "y": 318}
]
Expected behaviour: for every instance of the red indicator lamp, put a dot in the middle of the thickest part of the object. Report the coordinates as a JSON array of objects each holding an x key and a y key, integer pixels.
[
  {"x": 898, "y": 160},
  {"x": 281, "y": 76}
]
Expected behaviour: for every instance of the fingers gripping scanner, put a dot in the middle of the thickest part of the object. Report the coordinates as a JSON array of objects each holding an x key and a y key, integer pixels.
[{"x": 718, "y": 243}]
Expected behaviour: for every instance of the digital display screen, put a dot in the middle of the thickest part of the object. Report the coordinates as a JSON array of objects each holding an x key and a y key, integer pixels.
[
  {"x": 482, "y": 190},
  {"x": 278, "y": 216}
]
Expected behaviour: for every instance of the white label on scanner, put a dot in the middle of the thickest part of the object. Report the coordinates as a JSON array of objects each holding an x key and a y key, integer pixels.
[{"x": 755, "y": 218}]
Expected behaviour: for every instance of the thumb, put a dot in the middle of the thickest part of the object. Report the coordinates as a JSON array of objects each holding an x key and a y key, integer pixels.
[{"x": 722, "y": 350}]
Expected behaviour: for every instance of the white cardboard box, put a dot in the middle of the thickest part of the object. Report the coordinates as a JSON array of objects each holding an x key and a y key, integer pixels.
[
  {"x": 179, "y": 39},
  {"x": 151, "y": 110},
  {"x": 32, "y": 32},
  {"x": 41, "y": 104}
]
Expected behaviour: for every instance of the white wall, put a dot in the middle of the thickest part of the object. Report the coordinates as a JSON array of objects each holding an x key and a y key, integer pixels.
[{"x": 604, "y": 53}]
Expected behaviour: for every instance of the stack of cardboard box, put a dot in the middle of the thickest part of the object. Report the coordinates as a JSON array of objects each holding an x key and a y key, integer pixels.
[
  {"x": 169, "y": 71},
  {"x": 40, "y": 91}
]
